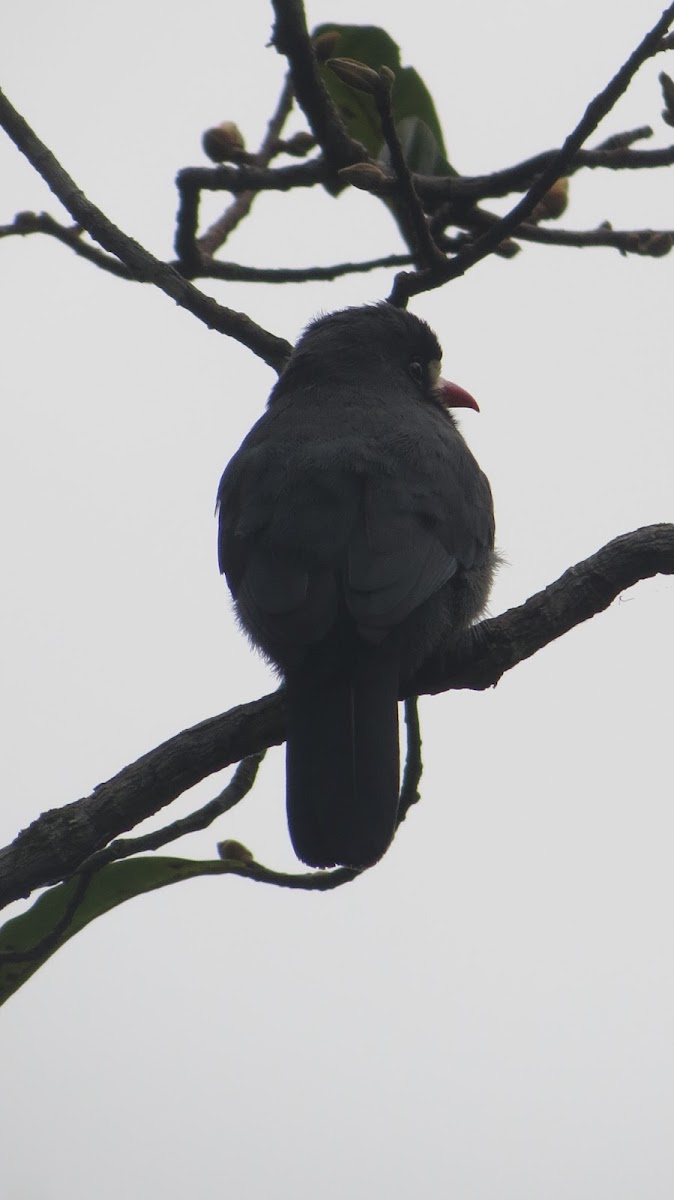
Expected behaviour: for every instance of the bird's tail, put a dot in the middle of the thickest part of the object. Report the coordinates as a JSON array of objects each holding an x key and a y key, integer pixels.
[{"x": 342, "y": 764}]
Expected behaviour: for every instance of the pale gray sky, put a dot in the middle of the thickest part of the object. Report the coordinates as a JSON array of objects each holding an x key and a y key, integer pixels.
[{"x": 488, "y": 1012}]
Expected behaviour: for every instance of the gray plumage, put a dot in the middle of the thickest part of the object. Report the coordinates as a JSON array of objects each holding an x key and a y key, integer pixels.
[{"x": 356, "y": 532}]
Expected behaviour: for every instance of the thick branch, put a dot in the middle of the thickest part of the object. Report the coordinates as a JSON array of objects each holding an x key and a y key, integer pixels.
[
  {"x": 56, "y": 844},
  {"x": 500, "y": 643},
  {"x": 142, "y": 265},
  {"x": 59, "y": 841}
]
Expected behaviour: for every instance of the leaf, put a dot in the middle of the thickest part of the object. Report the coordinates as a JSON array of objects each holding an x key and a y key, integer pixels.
[
  {"x": 420, "y": 149},
  {"x": 44, "y": 927},
  {"x": 412, "y": 102}
]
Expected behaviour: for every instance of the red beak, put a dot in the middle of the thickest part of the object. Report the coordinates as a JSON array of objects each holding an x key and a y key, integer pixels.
[{"x": 453, "y": 396}]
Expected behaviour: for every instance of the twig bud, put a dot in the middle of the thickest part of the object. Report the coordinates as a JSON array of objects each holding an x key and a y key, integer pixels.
[
  {"x": 223, "y": 142},
  {"x": 356, "y": 75},
  {"x": 655, "y": 244},
  {"x": 298, "y": 145},
  {"x": 553, "y": 203},
  {"x": 233, "y": 851},
  {"x": 367, "y": 177}
]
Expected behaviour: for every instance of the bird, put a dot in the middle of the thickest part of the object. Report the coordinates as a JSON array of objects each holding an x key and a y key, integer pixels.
[{"x": 356, "y": 534}]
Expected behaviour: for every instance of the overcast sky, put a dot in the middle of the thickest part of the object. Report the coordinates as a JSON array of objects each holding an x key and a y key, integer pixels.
[{"x": 488, "y": 1012}]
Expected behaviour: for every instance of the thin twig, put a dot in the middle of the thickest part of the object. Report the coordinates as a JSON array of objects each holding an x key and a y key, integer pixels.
[
  {"x": 142, "y": 265},
  {"x": 434, "y": 189},
  {"x": 291, "y": 38},
  {"x": 240, "y": 181},
  {"x": 71, "y": 235},
  {"x": 651, "y": 243},
  {"x": 51, "y": 940},
  {"x": 26, "y": 223},
  {"x": 409, "y": 792},
  {"x": 218, "y": 233},
  {"x": 407, "y": 285},
  {"x": 216, "y": 269},
  {"x": 239, "y": 786},
  {"x": 410, "y": 213}
]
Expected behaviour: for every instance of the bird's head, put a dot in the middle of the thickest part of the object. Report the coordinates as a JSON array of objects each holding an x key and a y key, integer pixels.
[{"x": 373, "y": 338}]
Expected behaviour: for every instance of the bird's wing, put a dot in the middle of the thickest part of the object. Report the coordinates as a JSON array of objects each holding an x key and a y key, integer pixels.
[
  {"x": 395, "y": 558},
  {"x": 281, "y": 542},
  {"x": 297, "y": 549}
]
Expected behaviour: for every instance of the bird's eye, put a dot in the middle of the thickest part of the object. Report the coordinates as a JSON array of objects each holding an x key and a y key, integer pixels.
[{"x": 416, "y": 370}]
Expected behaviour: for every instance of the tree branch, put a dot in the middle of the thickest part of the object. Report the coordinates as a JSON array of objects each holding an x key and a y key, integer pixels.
[
  {"x": 411, "y": 216},
  {"x": 27, "y": 223},
  {"x": 218, "y": 233},
  {"x": 500, "y": 643},
  {"x": 240, "y": 181},
  {"x": 407, "y": 284},
  {"x": 234, "y": 271},
  {"x": 70, "y": 235},
  {"x": 650, "y": 243},
  {"x": 55, "y": 845},
  {"x": 291, "y": 38},
  {"x": 239, "y": 786},
  {"x": 434, "y": 189},
  {"x": 141, "y": 264}
]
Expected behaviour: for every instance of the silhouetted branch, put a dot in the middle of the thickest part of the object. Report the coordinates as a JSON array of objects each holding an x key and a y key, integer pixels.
[
  {"x": 71, "y": 235},
  {"x": 240, "y": 181},
  {"x": 500, "y": 643},
  {"x": 650, "y": 243},
  {"x": 216, "y": 269},
  {"x": 141, "y": 264},
  {"x": 291, "y": 38},
  {"x": 409, "y": 792},
  {"x": 407, "y": 284},
  {"x": 55, "y": 935},
  {"x": 411, "y": 215},
  {"x": 435, "y": 189},
  {"x": 239, "y": 786},
  {"x": 55, "y": 845},
  {"x": 216, "y": 235}
]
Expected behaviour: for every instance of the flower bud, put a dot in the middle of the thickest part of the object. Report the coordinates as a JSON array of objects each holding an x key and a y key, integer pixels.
[
  {"x": 367, "y": 177},
  {"x": 298, "y": 145},
  {"x": 356, "y": 75},
  {"x": 232, "y": 851},
  {"x": 326, "y": 44},
  {"x": 223, "y": 142},
  {"x": 553, "y": 203},
  {"x": 655, "y": 244}
]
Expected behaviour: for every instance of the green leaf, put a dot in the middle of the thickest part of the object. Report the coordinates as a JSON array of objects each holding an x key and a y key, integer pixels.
[
  {"x": 43, "y": 928},
  {"x": 412, "y": 102}
]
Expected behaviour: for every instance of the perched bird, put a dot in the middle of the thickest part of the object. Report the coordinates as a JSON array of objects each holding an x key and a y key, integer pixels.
[{"x": 356, "y": 532}]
